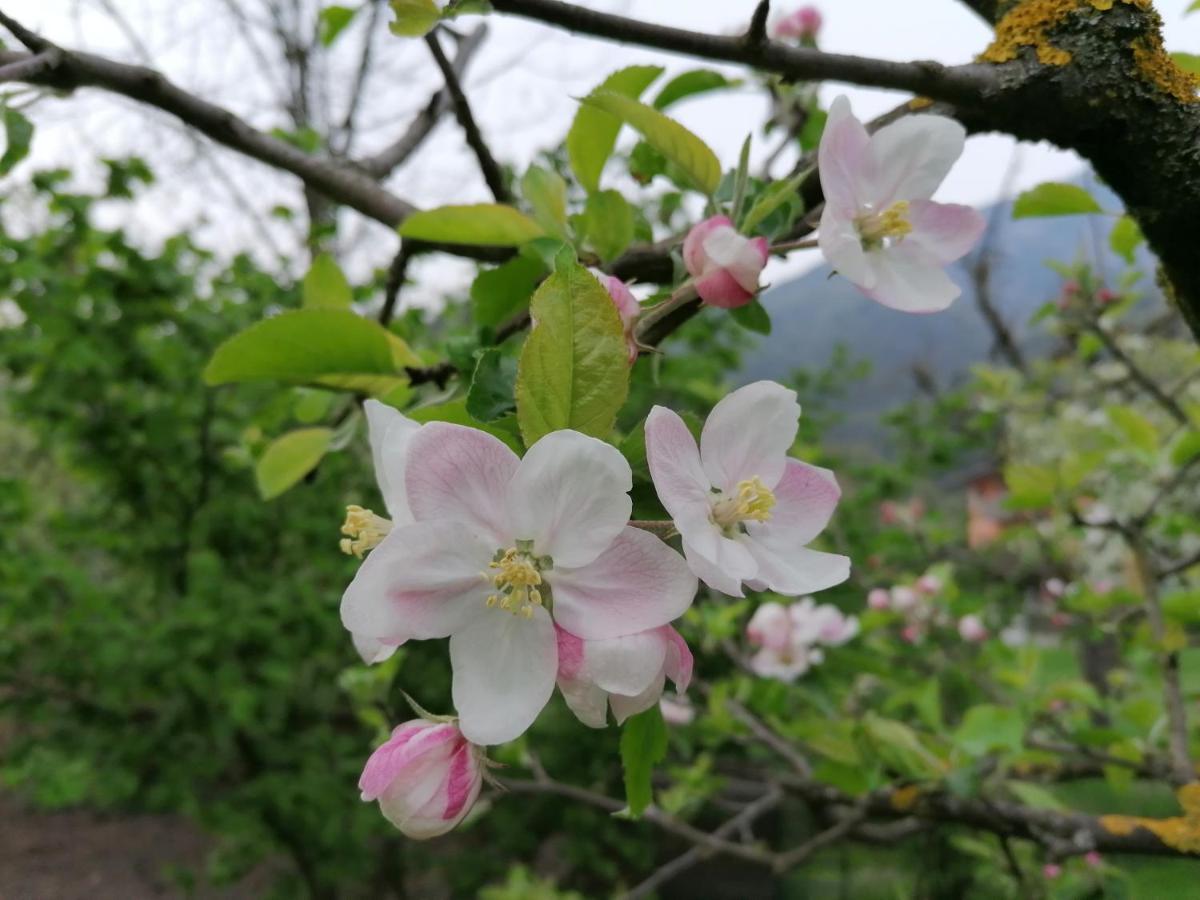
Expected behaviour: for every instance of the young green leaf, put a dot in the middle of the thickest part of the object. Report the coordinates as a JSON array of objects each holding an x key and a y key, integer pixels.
[
  {"x": 325, "y": 287},
  {"x": 19, "y": 133},
  {"x": 775, "y": 196},
  {"x": 688, "y": 84},
  {"x": 455, "y": 412},
  {"x": 332, "y": 21},
  {"x": 593, "y": 132},
  {"x": 414, "y": 18},
  {"x": 1124, "y": 238},
  {"x": 607, "y": 223},
  {"x": 668, "y": 137},
  {"x": 546, "y": 193},
  {"x": 574, "y": 367},
  {"x": 289, "y": 458},
  {"x": 476, "y": 223},
  {"x": 643, "y": 744},
  {"x": 986, "y": 728},
  {"x": 490, "y": 396},
  {"x": 752, "y": 317},
  {"x": 1055, "y": 199},
  {"x": 499, "y": 294}
]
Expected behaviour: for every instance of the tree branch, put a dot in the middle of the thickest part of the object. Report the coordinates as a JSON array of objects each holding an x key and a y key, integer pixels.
[{"x": 964, "y": 85}]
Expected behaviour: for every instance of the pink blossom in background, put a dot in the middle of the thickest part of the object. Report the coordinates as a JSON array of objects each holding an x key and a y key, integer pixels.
[
  {"x": 904, "y": 598},
  {"x": 879, "y": 229},
  {"x": 801, "y": 24},
  {"x": 879, "y": 598},
  {"x": 928, "y": 585},
  {"x": 724, "y": 265},
  {"x": 1051, "y": 870},
  {"x": 1093, "y": 859},
  {"x": 677, "y": 710},
  {"x": 790, "y": 638},
  {"x": 490, "y": 533},
  {"x": 426, "y": 777},
  {"x": 911, "y": 634},
  {"x": 971, "y": 628},
  {"x": 625, "y": 673},
  {"x": 628, "y": 309},
  {"x": 746, "y": 511}
]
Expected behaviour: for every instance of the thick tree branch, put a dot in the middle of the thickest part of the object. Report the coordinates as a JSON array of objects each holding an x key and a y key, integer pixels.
[{"x": 963, "y": 85}]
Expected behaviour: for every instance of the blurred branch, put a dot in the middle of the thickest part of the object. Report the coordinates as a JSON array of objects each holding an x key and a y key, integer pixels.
[
  {"x": 1144, "y": 381},
  {"x": 30, "y": 67},
  {"x": 397, "y": 272},
  {"x": 462, "y": 111},
  {"x": 1181, "y": 566}
]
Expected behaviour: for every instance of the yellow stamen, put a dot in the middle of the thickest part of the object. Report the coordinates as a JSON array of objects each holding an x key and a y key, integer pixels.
[
  {"x": 517, "y": 581},
  {"x": 879, "y": 229},
  {"x": 753, "y": 502},
  {"x": 364, "y": 530}
]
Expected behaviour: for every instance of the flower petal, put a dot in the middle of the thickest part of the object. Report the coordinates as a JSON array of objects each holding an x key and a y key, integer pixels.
[
  {"x": 908, "y": 281},
  {"x": 586, "y": 700},
  {"x": 805, "y": 499},
  {"x": 841, "y": 245},
  {"x": 408, "y": 743},
  {"x": 944, "y": 231},
  {"x": 748, "y": 434},
  {"x": 623, "y": 707},
  {"x": 570, "y": 496},
  {"x": 389, "y": 432},
  {"x": 423, "y": 581},
  {"x": 678, "y": 663},
  {"x": 625, "y": 665},
  {"x": 637, "y": 583},
  {"x": 843, "y": 160},
  {"x": 790, "y": 569},
  {"x": 913, "y": 155},
  {"x": 674, "y": 461},
  {"x": 719, "y": 288},
  {"x": 504, "y": 668},
  {"x": 722, "y": 564},
  {"x": 373, "y": 650},
  {"x": 695, "y": 259},
  {"x": 460, "y": 473}
]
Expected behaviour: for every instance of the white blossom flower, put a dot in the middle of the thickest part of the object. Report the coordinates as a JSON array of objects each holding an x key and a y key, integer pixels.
[{"x": 745, "y": 510}]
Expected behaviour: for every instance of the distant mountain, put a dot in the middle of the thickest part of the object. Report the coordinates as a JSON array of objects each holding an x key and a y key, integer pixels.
[{"x": 814, "y": 313}]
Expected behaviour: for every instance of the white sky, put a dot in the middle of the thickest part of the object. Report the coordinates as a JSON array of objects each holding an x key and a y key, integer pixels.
[{"x": 521, "y": 87}]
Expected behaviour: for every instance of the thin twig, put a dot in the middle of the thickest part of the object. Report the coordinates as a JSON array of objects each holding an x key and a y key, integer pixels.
[{"x": 397, "y": 272}]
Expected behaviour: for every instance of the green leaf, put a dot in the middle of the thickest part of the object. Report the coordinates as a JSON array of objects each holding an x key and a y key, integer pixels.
[
  {"x": 607, "y": 223},
  {"x": 1187, "y": 448},
  {"x": 455, "y": 412},
  {"x": 315, "y": 346},
  {"x": 574, "y": 367},
  {"x": 18, "y": 131},
  {"x": 1134, "y": 427},
  {"x": 546, "y": 193},
  {"x": 1124, "y": 238},
  {"x": 499, "y": 294},
  {"x": 1029, "y": 486},
  {"x": 775, "y": 196},
  {"x": 1034, "y": 795},
  {"x": 986, "y": 728},
  {"x": 753, "y": 317},
  {"x": 332, "y": 21},
  {"x": 643, "y": 743},
  {"x": 489, "y": 224},
  {"x": 325, "y": 287},
  {"x": 1182, "y": 606},
  {"x": 1054, "y": 199},
  {"x": 668, "y": 137},
  {"x": 1193, "y": 6},
  {"x": 688, "y": 84},
  {"x": 593, "y": 132},
  {"x": 289, "y": 458},
  {"x": 901, "y": 748},
  {"x": 1189, "y": 62},
  {"x": 414, "y": 18},
  {"x": 311, "y": 405},
  {"x": 490, "y": 396}
]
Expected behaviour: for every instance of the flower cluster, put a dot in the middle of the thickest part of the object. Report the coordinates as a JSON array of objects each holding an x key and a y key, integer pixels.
[
  {"x": 532, "y": 570},
  {"x": 920, "y": 614},
  {"x": 790, "y": 638}
]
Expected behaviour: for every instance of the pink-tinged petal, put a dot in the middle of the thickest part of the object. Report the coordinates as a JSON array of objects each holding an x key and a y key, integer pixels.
[
  {"x": 805, "y": 499},
  {"x": 636, "y": 584},
  {"x": 625, "y": 665},
  {"x": 906, "y": 281},
  {"x": 504, "y": 667},
  {"x": 460, "y": 473},
  {"x": 770, "y": 626},
  {"x": 723, "y": 564},
  {"x": 678, "y": 662},
  {"x": 748, "y": 434},
  {"x": 623, "y": 707},
  {"x": 944, "y": 231},
  {"x": 372, "y": 650},
  {"x": 694, "y": 257},
  {"x": 912, "y": 156},
  {"x": 790, "y": 569},
  {"x": 674, "y": 461},
  {"x": 627, "y": 305},
  {"x": 424, "y": 580},
  {"x": 389, "y": 431},
  {"x": 463, "y": 782},
  {"x": 740, "y": 256},
  {"x": 413, "y": 741},
  {"x": 586, "y": 700},
  {"x": 571, "y": 654},
  {"x": 720, "y": 289},
  {"x": 570, "y": 496},
  {"x": 843, "y": 159},
  {"x": 841, "y": 245}
]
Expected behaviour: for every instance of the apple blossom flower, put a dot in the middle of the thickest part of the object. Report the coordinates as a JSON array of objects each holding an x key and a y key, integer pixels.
[
  {"x": 904, "y": 598},
  {"x": 500, "y": 550},
  {"x": 879, "y": 228},
  {"x": 911, "y": 634},
  {"x": 677, "y": 710},
  {"x": 744, "y": 509},
  {"x": 790, "y": 637},
  {"x": 879, "y": 598},
  {"x": 628, "y": 309},
  {"x": 1093, "y": 859},
  {"x": 801, "y": 24},
  {"x": 627, "y": 673},
  {"x": 971, "y": 628},
  {"x": 1051, "y": 870},
  {"x": 787, "y": 664},
  {"x": 824, "y": 624},
  {"x": 724, "y": 265},
  {"x": 928, "y": 585},
  {"x": 426, "y": 777}
]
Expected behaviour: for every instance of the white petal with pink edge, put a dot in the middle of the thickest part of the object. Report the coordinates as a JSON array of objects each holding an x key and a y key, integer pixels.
[{"x": 748, "y": 434}]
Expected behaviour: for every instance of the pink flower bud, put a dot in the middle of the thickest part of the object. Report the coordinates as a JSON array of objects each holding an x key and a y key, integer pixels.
[
  {"x": 903, "y": 598},
  {"x": 878, "y": 598},
  {"x": 911, "y": 634},
  {"x": 1051, "y": 870},
  {"x": 1054, "y": 588},
  {"x": 1093, "y": 859},
  {"x": 889, "y": 513},
  {"x": 426, "y": 777},
  {"x": 801, "y": 24},
  {"x": 1104, "y": 296},
  {"x": 1060, "y": 620},
  {"x": 724, "y": 265},
  {"x": 928, "y": 585},
  {"x": 971, "y": 628},
  {"x": 627, "y": 307}
]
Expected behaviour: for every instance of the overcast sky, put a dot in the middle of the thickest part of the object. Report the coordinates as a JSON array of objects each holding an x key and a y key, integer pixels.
[{"x": 521, "y": 86}]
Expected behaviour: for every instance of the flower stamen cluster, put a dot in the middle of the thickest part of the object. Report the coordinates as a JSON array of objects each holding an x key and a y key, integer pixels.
[
  {"x": 518, "y": 580},
  {"x": 753, "y": 502},
  {"x": 364, "y": 530},
  {"x": 884, "y": 229}
]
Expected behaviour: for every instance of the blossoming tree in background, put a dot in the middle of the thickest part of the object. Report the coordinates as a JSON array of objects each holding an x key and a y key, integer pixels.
[{"x": 549, "y": 505}]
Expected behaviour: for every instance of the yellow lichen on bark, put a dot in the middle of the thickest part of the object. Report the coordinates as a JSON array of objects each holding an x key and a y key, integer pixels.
[
  {"x": 1156, "y": 66},
  {"x": 1180, "y": 833},
  {"x": 905, "y": 798},
  {"x": 1029, "y": 23}
]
